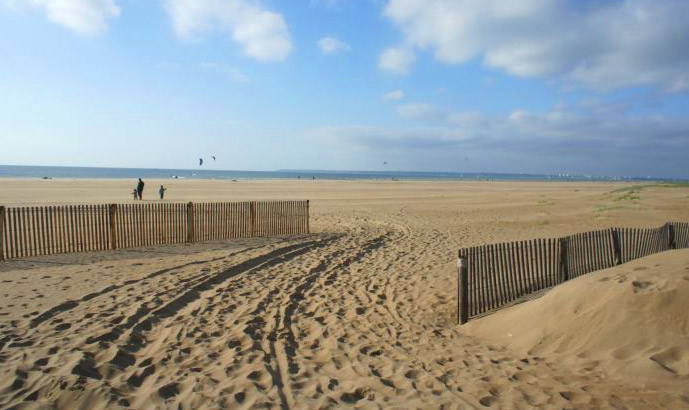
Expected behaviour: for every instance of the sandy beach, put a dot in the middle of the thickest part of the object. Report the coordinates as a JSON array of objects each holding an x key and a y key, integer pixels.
[{"x": 360, "y": 313}]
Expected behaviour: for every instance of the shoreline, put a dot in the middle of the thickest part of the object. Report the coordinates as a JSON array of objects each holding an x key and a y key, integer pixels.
[{"x": 63, "y": 172}]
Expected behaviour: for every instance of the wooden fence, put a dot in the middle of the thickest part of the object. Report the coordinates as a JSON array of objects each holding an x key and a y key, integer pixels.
[
  {"x": 46, "y": 230},
  {"x": 493, "y": 276}
]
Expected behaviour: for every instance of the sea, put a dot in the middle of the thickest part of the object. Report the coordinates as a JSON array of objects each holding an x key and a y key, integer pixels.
[{"x": 50, "y": 172}]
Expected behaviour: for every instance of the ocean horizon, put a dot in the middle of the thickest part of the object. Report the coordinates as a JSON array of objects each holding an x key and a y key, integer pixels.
[{"x": 50, "y": 172}]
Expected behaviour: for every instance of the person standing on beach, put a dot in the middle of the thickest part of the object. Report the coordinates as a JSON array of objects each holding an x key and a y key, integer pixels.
[
  {"x": 161, "y": 191},
  {"x": 140, "y": 189}
]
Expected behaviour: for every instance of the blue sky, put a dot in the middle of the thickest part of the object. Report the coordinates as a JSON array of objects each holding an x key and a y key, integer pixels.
[{"x": 539, "y": 86}]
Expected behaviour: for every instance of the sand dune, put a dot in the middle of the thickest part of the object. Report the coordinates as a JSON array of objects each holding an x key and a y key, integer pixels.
[
  {"x": 629, "y": 322},
  {"x": 359, "y": 314}
]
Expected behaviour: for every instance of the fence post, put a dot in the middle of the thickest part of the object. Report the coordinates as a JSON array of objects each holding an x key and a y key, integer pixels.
[
  {"x": 564, "y": 266},
  {"x": 113, "y": 226},
  {"x": 190, "y": 222},
  {"x": 308, "y": 227},
  {"x": 252, "y": 217},
  {"x": 616, "y": 245},
  {"x": 671, "y": 236},
  {"x": 2, "y": 233},
  {"x": 462, "y": 289}
]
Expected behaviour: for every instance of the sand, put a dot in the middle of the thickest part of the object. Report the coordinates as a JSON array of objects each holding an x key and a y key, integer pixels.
[
  {"x": 361, "y": 313},
  {"x": 629, "y": 322}
]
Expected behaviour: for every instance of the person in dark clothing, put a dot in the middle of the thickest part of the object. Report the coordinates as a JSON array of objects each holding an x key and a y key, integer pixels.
[
  {"x": 140, "y": 189},
  {"x": 161, "y": 191}
]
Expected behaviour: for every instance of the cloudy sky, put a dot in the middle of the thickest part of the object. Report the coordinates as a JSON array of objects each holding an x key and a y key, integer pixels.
[{"x": 538, "y": 86}]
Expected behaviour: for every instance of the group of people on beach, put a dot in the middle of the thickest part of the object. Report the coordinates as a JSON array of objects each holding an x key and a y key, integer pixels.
[{"x": 139, "y": 191}]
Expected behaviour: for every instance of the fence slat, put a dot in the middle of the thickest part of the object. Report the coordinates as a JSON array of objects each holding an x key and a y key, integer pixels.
[
  {"x": 133, "y": 222},
  {"x": 541, "y": 271},
  {"x": 44, "y": 231},
  {"x": 509, "y": 275},
  {"x": 97, "y": 228},
  {"x": 492, "y": 289},
  {"x": 580, "y": 255},
  {"x": 85, "y": 227},
  {"x": 88, "y": 231},
  {"x": 3, "y": 233},
  {"x": 91, "y": 216},
  {"x": 595, "y": 254},
  {"x": 484, "y": 279},
  {"x": 78, "y": 214},
  {"x": 131, "y": 231},
  {"x": 25, "y": 233},
  {"x": 514, "y": 256},
  {"x": 572, "y": 256},
  {"x": 500, "y": 274},
  {"x": 18, "y": 245},
  {"x": 643, "y": 242},
  {"x": 494, "y": 278},
  {"x": 78, "y": 227},
  {"x": 473, "y": 300},
  {"x": 548, "y": 258},
  {"x": 519, "y": 251}
]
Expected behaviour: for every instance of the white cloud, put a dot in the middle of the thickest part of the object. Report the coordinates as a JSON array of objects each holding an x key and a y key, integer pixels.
[
  {"x": 367, "y": 137},
  {"x": 262, "y": 34},
  {"x": 397, "y": 60},
  {"x": 394, "y": 95},
  {"x": 590, "y": 129},
  {"x": 81, "y": 16},
  {"x": 330, "y": 45},
  {"x": 603, "y": 45},
  {"x": 419, "y": 111}
]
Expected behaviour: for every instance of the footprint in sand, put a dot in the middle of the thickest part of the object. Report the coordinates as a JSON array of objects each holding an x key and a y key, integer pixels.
[
  {"x": 240, "y": 397},
  {"x": 487, "y": 401},
  {"x": 640, "y": 268},
  {"x": 355, "y": 396},
  {"x": 63, "y": 326},
  {"x": 574, "y": 397},
  {"x": 168, "y": 391},
  {"x": 640, "y": 286}
]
